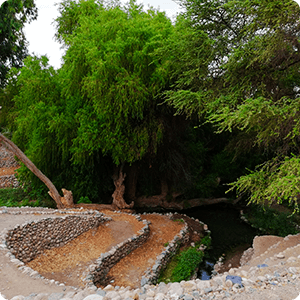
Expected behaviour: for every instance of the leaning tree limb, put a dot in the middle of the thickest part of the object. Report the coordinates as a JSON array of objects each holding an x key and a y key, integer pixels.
[{"x": 30, "y": 165}]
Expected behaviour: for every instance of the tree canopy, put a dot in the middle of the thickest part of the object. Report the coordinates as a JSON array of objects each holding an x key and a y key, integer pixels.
[
  {"x": 14, "y": 14},
  {"x": 253, "y": 84},
  {"x": 102, "y": 107}
]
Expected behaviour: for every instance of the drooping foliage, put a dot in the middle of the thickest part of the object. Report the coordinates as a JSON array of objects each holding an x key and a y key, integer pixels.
[
  {"x": 102, "y": 106},
  {"x": 13, "y": 16},
  {"x": 253, "y": 83}
]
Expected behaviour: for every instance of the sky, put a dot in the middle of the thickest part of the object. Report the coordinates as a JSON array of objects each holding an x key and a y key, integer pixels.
[{"x": 40, "y": 33}]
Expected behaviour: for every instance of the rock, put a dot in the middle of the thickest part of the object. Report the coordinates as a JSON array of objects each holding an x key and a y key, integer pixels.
[
  {"x": 81, "y": 295},
  {"x": 108, "y": 288},
  {"x": 203, "y": 284},
  {"x": 280, "y": 256},
  {"x": 41, "y": 296},
  {"x": 262, "y": 278},
  {"x": 70, "y": 295},
  {"x": 188, "y": 297},
  {"x": 93, "y": 297},
  {"x": 112, "y": 294},
  {"x": 262, "y": 266},
  {"x": 56, "y": 296},
  {"x": 144, "y": 281},
  {"x": 228, "y": 283},
  {"x": 188, "y": 286},
  {"x": 20, "y": 297},
  {"x": 162, "y": 288},
  {"x": 176, "y": 288},
  {"x": 244, "y": 273},
  {"x": 101, "y": 292},
  {"x": 150, "y": 293},
  {"x": 160, "y": 296},
  {"x": 208, "y": 290},
  {"x": 293, "y": 270},
  {"x": 234, "y": 279},
  {"x": 30, "y": 297}
]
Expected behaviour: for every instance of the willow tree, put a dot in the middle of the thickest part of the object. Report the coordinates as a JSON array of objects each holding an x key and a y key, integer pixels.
[
  {"x": 254, "y": 82},
  {"x": 111, "y": 68}
]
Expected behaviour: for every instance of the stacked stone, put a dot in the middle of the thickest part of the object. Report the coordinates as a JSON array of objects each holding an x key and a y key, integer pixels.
[
  {"x": 107, "y": 260},
  {"x": 7, "y": 160},
  {"x": 162, "y": 260},
  {"x": 29, "y": 240}
]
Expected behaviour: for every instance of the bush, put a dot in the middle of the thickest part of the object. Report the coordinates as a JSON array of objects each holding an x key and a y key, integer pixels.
[
  {"x": 84, "y": 200},
  {"x": 188, "y": 260},
  {"x": 271, "y": 221}
]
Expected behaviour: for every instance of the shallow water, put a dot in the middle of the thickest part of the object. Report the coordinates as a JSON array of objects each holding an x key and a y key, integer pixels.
[{"x": 228, "y": 232}]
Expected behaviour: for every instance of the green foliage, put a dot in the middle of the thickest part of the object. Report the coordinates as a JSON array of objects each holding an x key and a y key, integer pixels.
[
  {"x": 14, "y": 14},
  {"x": 248, "y": 87},
  {"x": 110, "y": 62},
  {"x": 206, "y": 241},
  {"x": 187, "y": 261},
  {"x": 17, "y": 197},
  {"x": 271, "y": 221},
  {"x": 84, "y": 200}
]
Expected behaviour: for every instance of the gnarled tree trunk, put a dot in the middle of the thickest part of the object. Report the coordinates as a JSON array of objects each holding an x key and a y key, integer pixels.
[
  {"x": 118, "y": 199},
  {"x": 30, "y": 165}
]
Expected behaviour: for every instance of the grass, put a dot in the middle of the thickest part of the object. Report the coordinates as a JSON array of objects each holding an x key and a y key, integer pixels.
[
  {"x": 183, "y": 264},
  {"x": 17, "y": 197}
]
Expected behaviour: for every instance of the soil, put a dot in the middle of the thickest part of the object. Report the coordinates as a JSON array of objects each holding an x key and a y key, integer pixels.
[
  {"x": 129, "y": 271},
  {"x": 68, "y": 264}
]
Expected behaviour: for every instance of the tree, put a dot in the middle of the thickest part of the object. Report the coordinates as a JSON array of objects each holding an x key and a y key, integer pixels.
[
  {"x": 14, "y": 14},
  {"x": 28, "y": 163},
  {"x": 253, "y": 82},
  {"x": 103, "y": 104},
  {"x": 111, "y": 64}
]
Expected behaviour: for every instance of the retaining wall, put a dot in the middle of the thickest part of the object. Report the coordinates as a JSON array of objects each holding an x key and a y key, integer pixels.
[
  {"x": 107, "y": 260},
  {"x": 29, "y": 240}
]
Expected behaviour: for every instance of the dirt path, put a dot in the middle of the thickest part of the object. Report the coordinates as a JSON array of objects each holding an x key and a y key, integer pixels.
[
  {"x": 69, "y": 263},
  {"x": 129, "y": 271}
]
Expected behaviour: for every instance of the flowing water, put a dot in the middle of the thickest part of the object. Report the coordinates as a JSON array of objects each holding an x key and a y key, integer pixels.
[{"x": 230, "y": 235}]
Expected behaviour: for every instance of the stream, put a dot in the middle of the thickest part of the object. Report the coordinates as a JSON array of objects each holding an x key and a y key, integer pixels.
[{"x": 230, "y": 235}]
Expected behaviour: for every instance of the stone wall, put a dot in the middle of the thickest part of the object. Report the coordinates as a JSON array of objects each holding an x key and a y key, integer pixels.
[
  {"x": 29, "y": 240},
  {"x": 7, "y": 159},
  {"x": 107, "y": 260},
  {"x": 163, "y": 259}
]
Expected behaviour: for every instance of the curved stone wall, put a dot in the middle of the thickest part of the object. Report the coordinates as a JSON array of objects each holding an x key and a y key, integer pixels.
[{"x": 29, "y": 240}]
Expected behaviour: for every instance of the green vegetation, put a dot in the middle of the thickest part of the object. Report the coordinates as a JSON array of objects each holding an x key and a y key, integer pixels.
[
  {"x": 17, "y": 197},
  {"x": 14, "y": 14},
  {"x": 179, "y": 220},
  {"x": 270, "y": 221},
  {"x": 84, "y": 200},
  {"x": 184, "y": 107},
  {"x": 183, "y": 264}
]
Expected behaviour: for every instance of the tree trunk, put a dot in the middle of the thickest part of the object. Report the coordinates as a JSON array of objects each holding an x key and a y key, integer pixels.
[
  {"x": 68, "y": 199},
  {"x": 118, "y": 200},
  {"x": 131, "y": 181}
]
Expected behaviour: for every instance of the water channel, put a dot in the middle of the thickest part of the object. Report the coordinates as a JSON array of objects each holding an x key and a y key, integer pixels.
[{"x": 230, "y": 235}]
